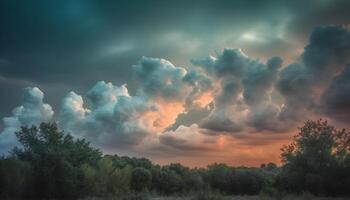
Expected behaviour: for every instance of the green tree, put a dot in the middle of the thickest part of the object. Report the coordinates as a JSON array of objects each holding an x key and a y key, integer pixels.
[
  {"x": 141, "y": 179},
  {"x": 56, "y": 159},
  {"x": 317, "y": 160}
]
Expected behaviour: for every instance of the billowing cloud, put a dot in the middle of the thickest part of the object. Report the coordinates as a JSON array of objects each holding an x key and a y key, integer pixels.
[
  {"x": 111, "y": 116},
  {"x": 33, "y": 111},
  {"x": 160, "y": 78},
  {"x": 327, "y": 52},
  {"x": 222, "y": 101},
  {"x": 244, "y": 97},
  {"x": 323, "y": 58},
  {"x": 173, "y": 89},
  {"x": 335, "y": 101},
  {"x": 266, "y": 96}
]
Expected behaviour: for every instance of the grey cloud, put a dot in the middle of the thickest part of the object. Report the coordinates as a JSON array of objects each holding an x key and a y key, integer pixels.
[
  {"x": 242, "y": 88},
  {"x": 224, "y": 117},
  {"x": 294, "y": 84},
  {"x": 327, "y": 51},
  {"x": 300, "y": 84},
  {"x": 192, "y": 116},
  {"x": 199, "y": 83},
  {"x": 160, "y": 78},
  {"x": 325, "y": 56},
  {"x": 266, "y": 118},
  {"x": 231, "y": 62},
  {"x": 258, "y": 86},
  {"x": 111, "y": 118},
  {"x": 220, "y": 122},
  {"x": 103, "y": 93},
  {"x": 185, "y": 140},
  {"x": 33, "y": 111},
  {"x": 49, "y": 43},
  {"x": 335, "y": 101},
  {"x": 108, "y": 115},
  {"x": 245, "y": 95},
  {"x": 259, "y": 82}
]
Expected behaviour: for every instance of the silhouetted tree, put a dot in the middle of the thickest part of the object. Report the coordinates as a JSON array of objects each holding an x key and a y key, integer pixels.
[{"x": 317, "y": 160}]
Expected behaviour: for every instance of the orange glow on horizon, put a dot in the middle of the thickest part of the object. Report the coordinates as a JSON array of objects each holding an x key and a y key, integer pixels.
[{"x": 233, "y": 152}]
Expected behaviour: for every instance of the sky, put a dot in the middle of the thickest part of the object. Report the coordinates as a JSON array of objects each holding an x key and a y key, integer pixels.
[{"x": 194, "y": 82}]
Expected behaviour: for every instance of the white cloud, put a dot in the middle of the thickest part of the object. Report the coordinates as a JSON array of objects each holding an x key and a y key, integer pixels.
[{"x": 33, "y": 111}]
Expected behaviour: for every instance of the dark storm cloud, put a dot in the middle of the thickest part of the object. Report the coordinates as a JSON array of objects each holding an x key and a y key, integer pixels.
[
  {"x": 336, "y": 99},
  {"x": 325, "y": 56},
  {"x": 327, "y": 51}
]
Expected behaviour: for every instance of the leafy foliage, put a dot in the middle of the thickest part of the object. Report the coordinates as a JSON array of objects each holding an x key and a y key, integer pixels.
[
  {"x": 51, "y": 164},
  {"x": 318, "y": 160}
]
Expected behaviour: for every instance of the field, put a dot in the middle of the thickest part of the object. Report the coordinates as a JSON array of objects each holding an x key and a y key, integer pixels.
[{"x": 258, "y": 197}]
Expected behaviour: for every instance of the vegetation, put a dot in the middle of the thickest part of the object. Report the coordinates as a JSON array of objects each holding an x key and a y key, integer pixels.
[
  {"x": 50, "y": 164},
  {"x": 317, "y": 161}
]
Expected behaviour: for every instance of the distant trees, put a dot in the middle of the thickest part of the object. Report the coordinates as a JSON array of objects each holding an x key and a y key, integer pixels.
[
  {"x": 318, "y": 160},
  {"x": 51, "y": 164},
  {"x": 232, "y": 180},
  {"x": 140, "y": 179}
]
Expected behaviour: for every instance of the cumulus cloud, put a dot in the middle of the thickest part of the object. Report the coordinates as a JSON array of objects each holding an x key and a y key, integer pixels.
[
  {"x": 244, "y": 97},
  {"x": 177, "y": 109},
  {"x": 111, "y": 117},
  {"x": 33, "y": 111},
  {"x": 160, "y": 78},
  {"x": 266, "y": 96},
  {"x": 323, "y": 58}
]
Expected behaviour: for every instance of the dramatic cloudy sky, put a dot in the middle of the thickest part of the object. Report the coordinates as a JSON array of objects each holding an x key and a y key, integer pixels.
[{"x": 175, "y": 81}]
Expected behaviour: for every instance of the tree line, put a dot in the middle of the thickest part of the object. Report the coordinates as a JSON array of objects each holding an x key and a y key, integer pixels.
[{"x": 51, "y": 164}]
